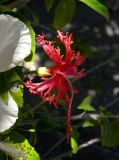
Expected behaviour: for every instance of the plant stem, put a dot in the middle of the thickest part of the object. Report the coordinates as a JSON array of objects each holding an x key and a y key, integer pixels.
[
  {"x": 101, "y": 65},
  {"x": 54, "y": 147}
]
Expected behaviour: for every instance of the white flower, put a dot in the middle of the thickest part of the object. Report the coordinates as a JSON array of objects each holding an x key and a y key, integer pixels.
[
  {"x": 15, "y": 42},
  {"x": 8, "y": 113}
]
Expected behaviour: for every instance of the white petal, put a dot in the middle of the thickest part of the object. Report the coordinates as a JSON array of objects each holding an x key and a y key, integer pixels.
[
  {"x": 8, "y": 113},
  {"x": 15, "y": 42}
]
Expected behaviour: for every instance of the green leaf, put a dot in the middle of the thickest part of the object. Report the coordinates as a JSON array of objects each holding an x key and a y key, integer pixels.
[
  {"x": 74, "y": 136},
  {"x": 11, "y": 76},
  {"x": 98, "y": 7},
  {"x": 88, "y": 123},
  {"x": 85, "y": 105},
  {"x": 49, "y": 4},
  {"x": 64, "y": 13},
  {"x": 32, "y": 130},
  {"x": 17, "y": 93},
  {"x": 8, "y": 79},
  {"x": 74, "y": 145},
  {"x": 2, "y": 1},
  {"x": 110, "y": 133},
  {"x": 33, "y": 14},
  {"x": 4, "y": 97},
  {"x": 21, "y": 148},
  {"x": 11, "y": 4},
  {"x": 31, "y": 57}
]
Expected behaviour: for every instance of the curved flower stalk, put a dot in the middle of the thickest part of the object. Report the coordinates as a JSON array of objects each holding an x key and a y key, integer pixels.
[
  {"x": 57, "y": 89},
  {"x": 8, "y": 113},
  {"x": 15, "y": 42}
]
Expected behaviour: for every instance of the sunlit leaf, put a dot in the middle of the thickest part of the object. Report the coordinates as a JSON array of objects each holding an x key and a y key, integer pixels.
[
  {"x": 64, "y": 13},
  {"x": 31, "y": 57},
  {"x": 32, "y": 130},
  {"x": 17, "y": 93},
  {"x": 20, "y": 148},
  {"x": 98, "y": 7},
  {"x": 88, "y": 123},
  {"x": 74, "y": 145},
  {"x": 85, "y": 105}
]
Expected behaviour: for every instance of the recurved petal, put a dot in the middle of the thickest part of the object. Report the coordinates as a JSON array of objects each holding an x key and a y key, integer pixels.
[
  {"x": 8, "y": 113},
  {"x": 15, "y": 42}
]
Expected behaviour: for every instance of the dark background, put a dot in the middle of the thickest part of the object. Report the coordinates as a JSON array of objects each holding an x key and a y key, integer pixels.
[{"x": 101, "y": 47}]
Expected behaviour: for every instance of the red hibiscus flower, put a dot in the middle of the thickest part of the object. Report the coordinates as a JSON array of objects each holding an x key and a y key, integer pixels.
[{"x": 57, "y": 89}]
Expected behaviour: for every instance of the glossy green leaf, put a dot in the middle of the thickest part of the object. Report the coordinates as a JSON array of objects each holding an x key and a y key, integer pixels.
[
  {"x": 49, "y": 4},
  {"x": 110, "y": 133},
  {"x": 98, "y": 7},
  {"x": 17, "y": 93},
  {"x": 74, "y": 137},
  {"x": 21, "y": 148},
  {"x": 74, "y": 145},
  {"x": 31, "y": 57},
  {"x": 64, "y": 13},
  {"x": 85, "y": 105}
]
